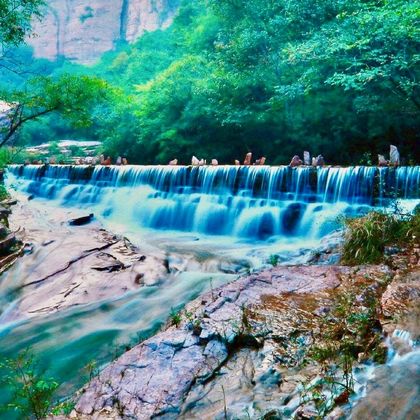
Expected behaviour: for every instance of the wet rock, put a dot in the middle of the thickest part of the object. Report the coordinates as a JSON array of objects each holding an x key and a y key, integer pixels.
[
  {"x": 307, "y": 412},
  {"x": 391, "y": 250},
  {"x": 9, "y": 202},
  {"x": 7, "y": 244},
  {"x": 320, "y": 161},
  {"x": 401, "y": 294},
  {"x": 248, "y": 159},
  {"x": 28, "y": 248},
  {"x": 393, "y": 392},
  {"x": 4, "y": 231},
  {"x": 382, "y": 161},
  {"x": 4, "y": 212},
  {"x": 156, "y": 377},
  {"x": 80, "y": 221}
]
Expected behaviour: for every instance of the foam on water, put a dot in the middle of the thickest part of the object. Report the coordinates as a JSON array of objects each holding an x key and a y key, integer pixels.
[{"x": 253, "y": 203}]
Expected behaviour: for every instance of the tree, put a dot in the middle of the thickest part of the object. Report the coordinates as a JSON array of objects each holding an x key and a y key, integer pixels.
[
  {"x": 15, "y": 20},
  {"x": 32, "y": 392},
  {"x": 73, "y": 97}
]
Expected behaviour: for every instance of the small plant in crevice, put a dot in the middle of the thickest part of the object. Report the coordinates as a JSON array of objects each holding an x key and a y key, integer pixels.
[
  {"x": 274, "y": 260},
  {"x": 175, "y": 317},
  {"x": 349, "y": 332},
  {"x": 64, "y": 408},
  {"x": 91, "y": 369}
]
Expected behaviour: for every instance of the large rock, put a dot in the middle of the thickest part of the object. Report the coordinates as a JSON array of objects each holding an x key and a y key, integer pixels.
[
  {"x": 83, "y": 30},
  {"x": 224, "y": 353}
]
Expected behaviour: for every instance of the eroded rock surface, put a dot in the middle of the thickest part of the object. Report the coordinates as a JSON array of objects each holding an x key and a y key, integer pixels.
[
  {"x": 236, "y": 350},
  {"x": 70, "y": 265}
]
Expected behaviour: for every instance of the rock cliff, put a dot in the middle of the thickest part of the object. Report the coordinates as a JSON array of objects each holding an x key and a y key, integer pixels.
[{"x": 82, "y": 30}]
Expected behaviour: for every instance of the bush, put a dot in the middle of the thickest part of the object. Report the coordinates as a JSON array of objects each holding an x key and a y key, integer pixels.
[
  {"x": 366, "y": 237},
  {"x": 32, "y": 392}
]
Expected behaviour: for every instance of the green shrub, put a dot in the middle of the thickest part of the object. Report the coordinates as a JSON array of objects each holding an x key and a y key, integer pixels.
[
  {"x": 274, "y": 260},
  {"x": 32, "y": 392},
  {"x": 3, "y": 193},
  {"x": 366, "y": 237}
]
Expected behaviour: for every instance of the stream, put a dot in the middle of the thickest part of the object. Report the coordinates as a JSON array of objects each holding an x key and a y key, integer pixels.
[{"x": 212, "y": 224}]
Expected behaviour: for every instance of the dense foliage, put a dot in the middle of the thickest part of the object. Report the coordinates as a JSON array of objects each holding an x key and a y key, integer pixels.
[
  {"x": 74, "y": 97},
  {"x": 15, "y": 20},
  {"x": 273, "y": 77}
]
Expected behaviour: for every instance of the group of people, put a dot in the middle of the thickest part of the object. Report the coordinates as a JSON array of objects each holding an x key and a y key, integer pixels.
[
  {"x": 296, "y": 161},
  {"x": 93, "y": 160}
]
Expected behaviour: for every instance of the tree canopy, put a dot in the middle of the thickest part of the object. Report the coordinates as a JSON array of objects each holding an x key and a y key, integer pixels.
[
  {"x": 15, "y": 20},
  {"x": 275, "y": 77}
]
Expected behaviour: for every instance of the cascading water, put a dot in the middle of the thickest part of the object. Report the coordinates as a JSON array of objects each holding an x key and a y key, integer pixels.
[
  {"x": 224, "y": 219},
  {"x": 243, "y": 202}
]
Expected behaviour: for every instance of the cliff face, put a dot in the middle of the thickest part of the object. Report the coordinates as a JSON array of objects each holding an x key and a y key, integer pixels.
[{"x": 83, "y": 30}]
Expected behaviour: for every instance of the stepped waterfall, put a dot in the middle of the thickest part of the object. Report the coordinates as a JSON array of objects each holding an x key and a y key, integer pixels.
[{"x": 248, "y": 202}]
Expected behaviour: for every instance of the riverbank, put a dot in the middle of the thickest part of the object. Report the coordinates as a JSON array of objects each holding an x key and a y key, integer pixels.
[
  {"x": 248, "y": 346},
  {"x": 244, "y": 349}
]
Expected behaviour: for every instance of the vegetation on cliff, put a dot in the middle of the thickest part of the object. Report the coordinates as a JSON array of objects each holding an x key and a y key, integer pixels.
[{"x": 272, "y": 77}]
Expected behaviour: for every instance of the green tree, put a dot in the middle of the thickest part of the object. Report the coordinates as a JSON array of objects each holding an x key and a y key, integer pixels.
[
  {"x": 15, "y": 20},
  {"x": 73, "y": 97},
  {"x": 32, "y": 392}
]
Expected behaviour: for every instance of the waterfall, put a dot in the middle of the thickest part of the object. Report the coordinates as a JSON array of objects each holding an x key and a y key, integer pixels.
[{"x": 250, "y": 202}]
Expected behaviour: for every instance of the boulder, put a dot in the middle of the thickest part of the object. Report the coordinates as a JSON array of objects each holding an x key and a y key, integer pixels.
[
  {"x": 7, "y": 244},
  {"x": 248, "y": 159},
  {"x": 382, "y": 161},
  {"x": 179, "y": 372},
  {"x": 214, "y": 162},
  {"x": 173, "y": 162},
  {"x": 320, "y": 161}
]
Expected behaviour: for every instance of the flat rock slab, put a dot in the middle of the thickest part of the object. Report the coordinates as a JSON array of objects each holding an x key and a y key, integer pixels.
[{"x": 70, "y": 265}]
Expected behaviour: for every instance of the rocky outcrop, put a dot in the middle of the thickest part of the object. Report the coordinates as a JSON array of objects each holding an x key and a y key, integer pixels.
[
  {"x": 70, "y": 265},
  {"x": 83, "y": 30},
  {"x": 237, "y": 352}
]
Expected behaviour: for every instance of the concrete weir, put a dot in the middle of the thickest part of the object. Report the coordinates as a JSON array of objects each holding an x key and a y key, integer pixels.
[{"x": 251, "y": 202}]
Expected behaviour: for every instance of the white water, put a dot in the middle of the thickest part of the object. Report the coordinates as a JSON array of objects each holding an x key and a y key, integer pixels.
[
  {"x": 220, "y": 215},
  {"x": 275, "y": 204}
]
